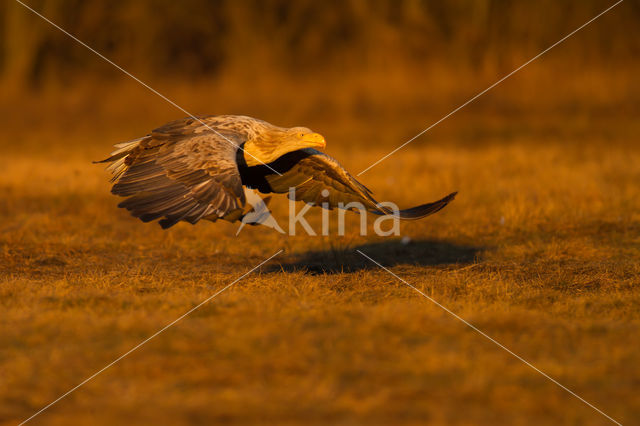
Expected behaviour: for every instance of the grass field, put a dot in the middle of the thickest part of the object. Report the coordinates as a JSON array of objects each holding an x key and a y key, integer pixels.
[{"x": 540, "y": 250}]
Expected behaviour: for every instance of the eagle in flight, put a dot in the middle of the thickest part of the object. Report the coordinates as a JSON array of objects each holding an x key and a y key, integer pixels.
[{"x": 197, "y": 168}]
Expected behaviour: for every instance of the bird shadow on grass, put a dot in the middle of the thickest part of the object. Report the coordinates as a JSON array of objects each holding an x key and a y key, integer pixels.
[{"x": 388, "y": 253}]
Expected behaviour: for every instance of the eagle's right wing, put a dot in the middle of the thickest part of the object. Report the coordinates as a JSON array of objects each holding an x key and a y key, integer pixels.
[{"x": 181, "y": 171}]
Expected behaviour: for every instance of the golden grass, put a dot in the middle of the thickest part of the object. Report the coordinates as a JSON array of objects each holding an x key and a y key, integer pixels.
[{"x": 541, "y": 250}]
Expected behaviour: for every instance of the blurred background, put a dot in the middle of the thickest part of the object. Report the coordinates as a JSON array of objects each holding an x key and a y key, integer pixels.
[{"x": 358, "y": 71}]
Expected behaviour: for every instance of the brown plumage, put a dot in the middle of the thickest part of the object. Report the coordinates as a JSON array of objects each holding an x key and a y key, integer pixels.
[{"x": 194, "y": 169}]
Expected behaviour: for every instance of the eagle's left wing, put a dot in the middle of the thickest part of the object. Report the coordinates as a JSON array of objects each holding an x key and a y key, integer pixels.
[{"x": 320, "y": 180}]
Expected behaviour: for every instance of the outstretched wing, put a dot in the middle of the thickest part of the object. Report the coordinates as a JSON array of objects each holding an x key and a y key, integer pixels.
[
  {"x": 181, "y": 171},
  {"x": 320, "y": 180}
]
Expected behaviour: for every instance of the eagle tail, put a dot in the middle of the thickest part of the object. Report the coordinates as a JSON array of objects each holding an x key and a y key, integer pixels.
[{"x": 118, "y": 156}]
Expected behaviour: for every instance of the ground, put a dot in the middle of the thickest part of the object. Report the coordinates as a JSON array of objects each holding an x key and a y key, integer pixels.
[{"x": 540, "y": 251}]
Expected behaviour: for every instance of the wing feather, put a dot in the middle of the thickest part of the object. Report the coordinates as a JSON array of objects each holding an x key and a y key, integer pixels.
[
  {"x": 320, "y": 180},
  {"x": 181, "y": 171}
]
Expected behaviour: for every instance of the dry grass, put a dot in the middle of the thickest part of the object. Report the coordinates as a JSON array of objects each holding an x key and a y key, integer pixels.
[{"x": 541, "y": 250}]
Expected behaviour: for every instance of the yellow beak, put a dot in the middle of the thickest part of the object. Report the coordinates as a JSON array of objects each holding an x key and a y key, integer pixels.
[{"x": 314, "y": 140}]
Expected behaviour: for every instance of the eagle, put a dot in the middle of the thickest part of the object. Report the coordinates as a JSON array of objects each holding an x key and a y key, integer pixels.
[{"x": 198, "y": 168}]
